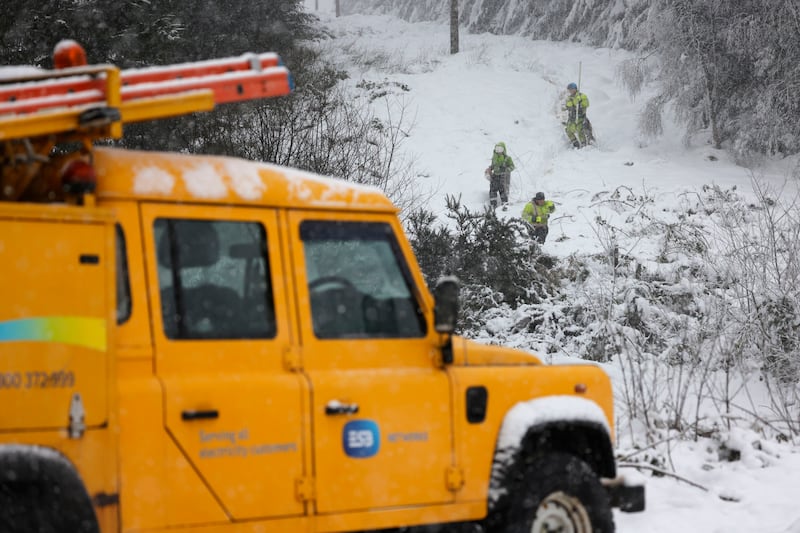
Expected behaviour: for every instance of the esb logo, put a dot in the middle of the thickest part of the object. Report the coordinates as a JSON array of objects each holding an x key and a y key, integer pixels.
[{"x": 361, "y": 438}]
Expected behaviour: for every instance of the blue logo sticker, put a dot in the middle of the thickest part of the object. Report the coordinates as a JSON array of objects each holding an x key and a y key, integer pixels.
[{"x": 361, "y": 438}]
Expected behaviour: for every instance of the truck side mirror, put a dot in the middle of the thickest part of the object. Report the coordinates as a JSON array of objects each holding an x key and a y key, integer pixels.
[{"x": 445, "y": 312}]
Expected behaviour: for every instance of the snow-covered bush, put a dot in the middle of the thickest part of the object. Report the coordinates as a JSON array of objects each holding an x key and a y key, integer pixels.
[
  {"x": 712, "y": 312},
  {"x": 702, "y": 332},
  {"x": 485, "y": 252}
]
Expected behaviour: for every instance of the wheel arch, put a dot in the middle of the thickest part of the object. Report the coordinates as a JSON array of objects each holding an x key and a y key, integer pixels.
[
  {"x": 46, "y": 474},
  {"x": 565, "y": 424},
  {"x": 584, "y": 439}
]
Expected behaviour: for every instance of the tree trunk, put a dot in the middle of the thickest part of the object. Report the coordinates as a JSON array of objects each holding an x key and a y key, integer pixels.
[
  {"x": 453, "y": 26},
  {"x": 716, "y": 135}
]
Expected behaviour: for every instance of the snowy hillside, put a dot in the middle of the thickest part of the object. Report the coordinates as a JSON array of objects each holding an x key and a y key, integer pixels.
[
  {"x": 609, "y": 22},
  {"x": 504, "y": 88}
]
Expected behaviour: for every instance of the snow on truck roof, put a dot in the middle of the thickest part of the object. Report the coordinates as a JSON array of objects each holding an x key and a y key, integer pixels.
[{"x": 159, "y": 176}]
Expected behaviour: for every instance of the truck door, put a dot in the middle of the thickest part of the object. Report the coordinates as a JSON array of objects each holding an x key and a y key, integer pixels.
[
  {"x": 381, "y": 411},
  {"x": 221, "y": 335},
  {"x": 56, "y": 315}
]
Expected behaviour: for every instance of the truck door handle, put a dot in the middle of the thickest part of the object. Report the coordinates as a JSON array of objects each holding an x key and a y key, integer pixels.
[
  {"x": 335, "y": 407},
  {"x": 200, "y": 415}
]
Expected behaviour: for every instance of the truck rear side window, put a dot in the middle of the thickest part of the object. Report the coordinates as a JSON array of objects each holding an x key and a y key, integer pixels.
[
  {"x": 124, "y": 303},
  {"x": 214, "y": 279},
  {"x": 358, "y": 281}
]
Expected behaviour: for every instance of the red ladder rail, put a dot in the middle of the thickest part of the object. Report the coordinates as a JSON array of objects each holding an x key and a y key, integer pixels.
[
  {"x": 232, "y": 79},
  {"x": 228, "y": 87},
  {"x": 42, "y": 84},
  {"x": 255, "y": 62}
]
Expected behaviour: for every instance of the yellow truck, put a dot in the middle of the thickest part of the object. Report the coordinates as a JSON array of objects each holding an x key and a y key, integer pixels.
[{"x": 198, "y": 343}]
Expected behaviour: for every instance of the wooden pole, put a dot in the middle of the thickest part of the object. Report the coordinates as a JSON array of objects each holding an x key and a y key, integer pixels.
[
  {"x": 338, "y": 8},
  {"x": 453, "y": 26}
]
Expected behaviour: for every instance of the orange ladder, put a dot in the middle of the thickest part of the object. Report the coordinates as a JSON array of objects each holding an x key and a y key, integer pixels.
[{"x": 54, "y": 101}]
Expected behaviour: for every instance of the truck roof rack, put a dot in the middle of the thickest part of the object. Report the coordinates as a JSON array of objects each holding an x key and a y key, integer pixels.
[{"x": 40, "y": 109}]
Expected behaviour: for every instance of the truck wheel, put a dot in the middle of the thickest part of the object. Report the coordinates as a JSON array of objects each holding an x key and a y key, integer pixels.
[
  {"x": 43, "y": 509},
  {"x": 43, "y": 495},
  {"x": 556, "y": 493}
]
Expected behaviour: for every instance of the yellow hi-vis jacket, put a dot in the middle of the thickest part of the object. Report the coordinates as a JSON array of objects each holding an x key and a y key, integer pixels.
[{"x": 537, "y": 215}]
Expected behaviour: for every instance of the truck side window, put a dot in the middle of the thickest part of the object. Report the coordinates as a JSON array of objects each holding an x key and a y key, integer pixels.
[
  {"x": 214, "y": 279},
  {"x": 358, "y": 281},
  {"x": 124, "y": 302}
]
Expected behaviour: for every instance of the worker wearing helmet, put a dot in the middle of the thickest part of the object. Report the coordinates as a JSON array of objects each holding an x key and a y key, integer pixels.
[
  {"x": 536, "y": 214},
  {"x": 499, "y": 175},
  {"x": 578, "y": 127}
]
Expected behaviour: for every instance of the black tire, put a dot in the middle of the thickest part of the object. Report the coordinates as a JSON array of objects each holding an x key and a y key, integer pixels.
[
  {"x": 555, "y": 492},
  {"x": 39, "y": 495}
]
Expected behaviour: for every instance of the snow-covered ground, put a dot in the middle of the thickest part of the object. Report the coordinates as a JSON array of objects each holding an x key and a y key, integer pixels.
[{"x": 505, "y": 88}]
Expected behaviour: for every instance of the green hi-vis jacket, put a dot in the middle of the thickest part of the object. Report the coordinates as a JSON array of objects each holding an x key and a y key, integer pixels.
[
  {"x": 501, "y": 163},
  {"x": 537, "y": 215},
  {"x": 577, "y": 104}
]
